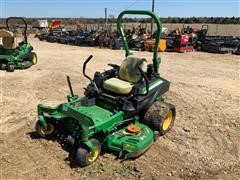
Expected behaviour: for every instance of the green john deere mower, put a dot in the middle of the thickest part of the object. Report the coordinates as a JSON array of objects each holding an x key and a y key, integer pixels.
[
  {"x": 122, "y": 111},
  {"x": 14, "y": 55}
]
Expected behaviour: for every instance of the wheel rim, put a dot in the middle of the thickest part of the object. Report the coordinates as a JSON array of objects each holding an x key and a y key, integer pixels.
[
  {"x": 167, "y": 121},
  {"x": 48, "y": 131},
  {"x": 34, "y": 59},
  {"x": 93, "y": 158}
]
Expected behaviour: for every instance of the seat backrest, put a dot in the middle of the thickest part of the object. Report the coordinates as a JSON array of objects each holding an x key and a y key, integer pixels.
[
  {"x": 129, "y": 69},
  {"x": 5, "y": 33},
  {"x": 8, "y": 39},
  {"x": 9, "y": 42}
]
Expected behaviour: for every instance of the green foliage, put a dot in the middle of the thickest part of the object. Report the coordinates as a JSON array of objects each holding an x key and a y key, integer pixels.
[{"x": 186, "y": 20}]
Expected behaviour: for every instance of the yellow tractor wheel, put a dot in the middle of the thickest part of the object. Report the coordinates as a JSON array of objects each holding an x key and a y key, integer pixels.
[
  {"x": 85, "y": 157},
  {"x": 45, "y": 132},
  {"x": 34, "y": 58},
  {"x": 160, "y": 117}
]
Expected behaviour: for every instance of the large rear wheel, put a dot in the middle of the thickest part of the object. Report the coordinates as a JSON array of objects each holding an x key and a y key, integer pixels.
[
  {"x": 160, "y": 117},
  {"x": 33, "y": 58}
]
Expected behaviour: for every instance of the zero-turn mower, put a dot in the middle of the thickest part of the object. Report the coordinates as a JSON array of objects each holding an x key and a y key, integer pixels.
[
  {"x": 14, "y": 55},
  {"x": 122, "y": 111}
]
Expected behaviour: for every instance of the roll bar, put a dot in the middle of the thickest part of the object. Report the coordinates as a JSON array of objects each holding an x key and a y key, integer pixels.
[
  {"x": 25, "y": 26},
  {"x": 156, "y": 58}
]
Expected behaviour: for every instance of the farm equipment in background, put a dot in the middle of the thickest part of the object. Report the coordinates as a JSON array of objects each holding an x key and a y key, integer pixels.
[
  {"x": 179, "y": 41},
  {"x": 220, "y": 44},
  {"x": 42, "y": 24},
  {"x": 14, "y": 54},
  {"x": 111, "y": 40},
  {"x": 236, "y": 51},
  {"x": 53, "y": 33},
  {"x": 137, "y": 37},
  {"x": 182, "y": 43},
  {"x": 123, "y": 109},
  {"x": 80, "y": 37},
  {"x": 212, "y": 44},
  {"x": 199, "y": 36},
  {"x": 56, "y": 25},
  {"x": 149, "y": 45},
  {"x": 80, "y": 27},
  {"x": 187, "y": 39},
  {"x": 88, "y": 38},
  {"x": 183, "y": 40}
]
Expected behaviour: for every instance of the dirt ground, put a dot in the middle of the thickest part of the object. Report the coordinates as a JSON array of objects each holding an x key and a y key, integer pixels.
[{"x": 204, "y": 143}]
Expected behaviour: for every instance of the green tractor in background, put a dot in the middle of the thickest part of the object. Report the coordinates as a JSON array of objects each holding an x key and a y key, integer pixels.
[
  {"x": 14, "y": 55},
  {"x": 123, "y": 109}
]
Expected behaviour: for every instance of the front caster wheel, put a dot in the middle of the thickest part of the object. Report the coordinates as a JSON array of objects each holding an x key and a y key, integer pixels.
[
  {"x": 84, "y": 155},
  {"x": 10, "y": 68},
  {"x": 45, "y": 132}
]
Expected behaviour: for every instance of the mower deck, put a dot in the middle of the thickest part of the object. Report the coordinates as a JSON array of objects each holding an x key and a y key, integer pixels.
[{"x": 130, "y": 144}]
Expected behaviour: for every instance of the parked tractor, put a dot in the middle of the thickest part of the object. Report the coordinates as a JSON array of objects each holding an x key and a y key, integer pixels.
[
  {"x": 14, "y": 54},
  {"x": 123, "y": 109}
]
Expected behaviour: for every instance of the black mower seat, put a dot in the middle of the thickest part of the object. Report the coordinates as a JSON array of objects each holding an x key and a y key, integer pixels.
[{"x": 129, "y": 74}]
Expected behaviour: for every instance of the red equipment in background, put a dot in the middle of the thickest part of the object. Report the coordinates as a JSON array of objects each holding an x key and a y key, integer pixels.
[
  {"x": 56, "y": 24},
  {"x": 182, "y": 43}
]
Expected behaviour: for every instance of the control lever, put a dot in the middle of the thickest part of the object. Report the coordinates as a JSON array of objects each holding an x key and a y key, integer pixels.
[{"x": 84, "y": 73}]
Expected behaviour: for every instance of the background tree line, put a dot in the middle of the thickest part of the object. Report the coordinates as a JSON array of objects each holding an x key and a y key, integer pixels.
[{"x": 188, "y": 20}]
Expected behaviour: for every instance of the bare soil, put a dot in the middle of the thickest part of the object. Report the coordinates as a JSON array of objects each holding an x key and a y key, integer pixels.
[{"x": 203, "y": 144}]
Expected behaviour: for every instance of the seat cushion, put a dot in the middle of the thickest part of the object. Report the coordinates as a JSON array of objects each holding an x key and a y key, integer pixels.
[
  {"x": 118, "y": 86},
  {"x": 129, "y": 69},
  {"x": 9, "y": 42}
]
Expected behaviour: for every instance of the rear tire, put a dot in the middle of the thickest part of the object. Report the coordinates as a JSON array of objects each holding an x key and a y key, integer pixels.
[
  {"x": 84, "y": 156},
  {"x": 33, "y": 58},
  {"x": 160, "y": 117}
]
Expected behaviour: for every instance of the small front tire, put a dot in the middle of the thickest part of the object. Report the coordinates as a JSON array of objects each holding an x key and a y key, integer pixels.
[
  {"x": 84, "y": 156},
  {"x": 10, "y": 68},
  {"x": 45, "y": 132}
]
